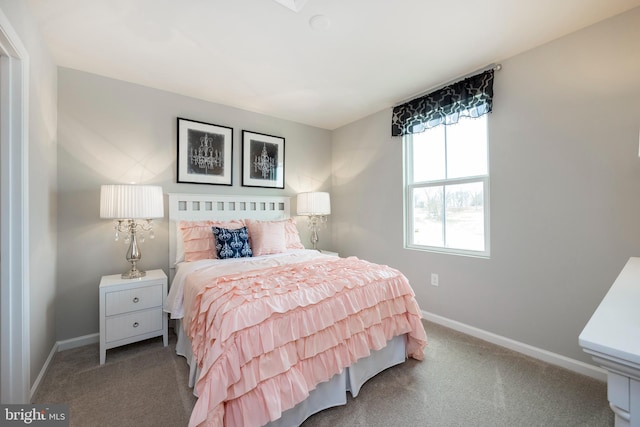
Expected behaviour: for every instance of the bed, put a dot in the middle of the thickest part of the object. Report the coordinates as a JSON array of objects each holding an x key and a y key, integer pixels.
[{"x": 277, "y": 337}]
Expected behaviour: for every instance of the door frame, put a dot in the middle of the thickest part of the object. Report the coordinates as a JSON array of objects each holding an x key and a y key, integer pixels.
[{"x": 14, "y": 224}]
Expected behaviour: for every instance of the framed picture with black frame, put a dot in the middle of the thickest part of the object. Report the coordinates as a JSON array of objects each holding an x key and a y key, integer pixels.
[
  {"x": 205, "y": 153},
  {"x": 262, "y": 160}
]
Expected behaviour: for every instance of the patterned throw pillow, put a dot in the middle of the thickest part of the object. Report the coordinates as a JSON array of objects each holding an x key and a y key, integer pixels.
[{"x": 232, "y": 243}]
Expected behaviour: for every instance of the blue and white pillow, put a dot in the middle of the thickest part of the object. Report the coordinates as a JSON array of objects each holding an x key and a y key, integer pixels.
[{"x": 232, "y": 243}]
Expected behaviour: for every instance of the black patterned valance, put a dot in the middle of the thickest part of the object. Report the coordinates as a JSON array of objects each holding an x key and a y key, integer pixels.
[{"x": 471, "y": 97}]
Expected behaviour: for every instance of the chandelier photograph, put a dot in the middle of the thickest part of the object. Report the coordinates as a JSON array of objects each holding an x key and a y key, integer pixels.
[
  {"x": 205, "y": 156},
  {"x": 262, "y": 160},
  {"x": 264, "y": 165},
  {"x": 204, "y": 153}
]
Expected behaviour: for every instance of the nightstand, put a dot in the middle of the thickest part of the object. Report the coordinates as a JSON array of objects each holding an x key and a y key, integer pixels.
[{"x": 131, "y": 310}]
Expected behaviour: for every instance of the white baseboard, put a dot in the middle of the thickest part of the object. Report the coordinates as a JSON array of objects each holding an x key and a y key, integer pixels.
[
  {"x": 43, "y": 371},
  {"x": 78, "y": 342},
  {"x": 537, "y": 353},
  {"x": 60, "y": 346}
]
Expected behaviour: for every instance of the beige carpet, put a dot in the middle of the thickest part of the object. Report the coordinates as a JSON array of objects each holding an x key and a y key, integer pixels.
[
  {"x": 465, "y": 381},
  {"x": 142, "y": 384},
  {"x": 462, "y": 382}
]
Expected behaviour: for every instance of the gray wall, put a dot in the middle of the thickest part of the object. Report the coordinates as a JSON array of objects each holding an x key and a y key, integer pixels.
[
  {"x": 42, "y": 121},
  {"x": 565, "y": 180},
  {"x": 565, "y": 192},
  {"x": 110, "y": 131}
]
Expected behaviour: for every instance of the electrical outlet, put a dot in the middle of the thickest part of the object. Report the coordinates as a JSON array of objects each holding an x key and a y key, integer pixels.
[{"x": 434, "y": 279}]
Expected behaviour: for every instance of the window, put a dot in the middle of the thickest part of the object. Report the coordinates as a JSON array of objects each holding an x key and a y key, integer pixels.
[
  {"x": 446, "y": 166},
  {"x": 447, "y": 188}
]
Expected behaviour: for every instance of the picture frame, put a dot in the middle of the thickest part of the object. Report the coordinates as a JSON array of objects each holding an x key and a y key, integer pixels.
[
  {"x": 205, "y": 153},
  {"x": 262, "y": 160}
]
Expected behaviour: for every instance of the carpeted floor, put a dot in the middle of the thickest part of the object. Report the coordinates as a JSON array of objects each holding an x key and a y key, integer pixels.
[
  {"x": 463, "y": 381},
  {"x": 142, "y": 384}
]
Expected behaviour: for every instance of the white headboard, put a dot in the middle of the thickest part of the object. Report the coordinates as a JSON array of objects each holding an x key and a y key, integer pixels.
[{"x": 197, "y": 207}]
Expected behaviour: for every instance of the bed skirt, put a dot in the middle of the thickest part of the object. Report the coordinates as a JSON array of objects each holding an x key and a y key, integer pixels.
[{"x": 325, "y": 395}]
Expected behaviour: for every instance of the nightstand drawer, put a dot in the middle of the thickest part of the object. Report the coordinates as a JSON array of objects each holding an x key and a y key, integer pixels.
[
  {"x": 129, "y": 300},
  {"x": 130, "y": 325}
]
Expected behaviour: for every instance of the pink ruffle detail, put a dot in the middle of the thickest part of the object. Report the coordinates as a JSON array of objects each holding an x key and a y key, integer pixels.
[{"x": 266, "y": 354}]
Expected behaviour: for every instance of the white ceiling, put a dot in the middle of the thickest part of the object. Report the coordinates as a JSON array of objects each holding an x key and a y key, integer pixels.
[{"x": 261, "y": 56}]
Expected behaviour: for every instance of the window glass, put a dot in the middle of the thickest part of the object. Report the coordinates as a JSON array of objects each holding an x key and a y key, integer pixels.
[
  {"x": 467, "y": 148},
  {"x": 465, "y": 216},
  {"x": 428, "y": 152},
  {"x": 428, "y": 216}
]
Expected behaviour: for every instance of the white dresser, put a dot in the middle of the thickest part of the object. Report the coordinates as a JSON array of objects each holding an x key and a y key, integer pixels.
[
  {"x": 612, "y": 338},
  {"x": 131, "y": 310}
]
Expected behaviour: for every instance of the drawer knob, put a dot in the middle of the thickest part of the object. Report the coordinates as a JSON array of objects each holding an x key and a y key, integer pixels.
[
  {"x": 136, "y": 324},
  {"x": 135, "y": 299}
]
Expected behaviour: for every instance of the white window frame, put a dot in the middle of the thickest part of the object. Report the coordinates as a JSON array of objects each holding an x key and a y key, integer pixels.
[{"x": 409, "y": 186}]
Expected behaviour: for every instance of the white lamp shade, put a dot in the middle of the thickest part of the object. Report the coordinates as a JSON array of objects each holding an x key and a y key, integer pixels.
[
  {"x": 314, "y": 203},
  {"x": 121, "y": 201}
]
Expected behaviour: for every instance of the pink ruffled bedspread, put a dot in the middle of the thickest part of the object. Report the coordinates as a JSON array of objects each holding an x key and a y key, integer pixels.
[{"x": 265, "y": 338}]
